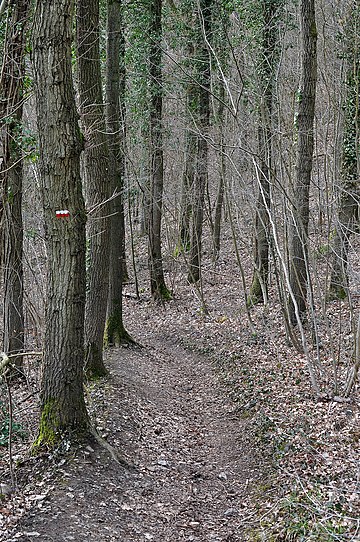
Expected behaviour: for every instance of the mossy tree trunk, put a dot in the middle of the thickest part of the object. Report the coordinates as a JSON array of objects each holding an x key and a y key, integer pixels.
[
  {"x": 96, "y": 177},
  {"x": 11, "y": 175},
  {"x": 115, "y": 332},
  {"x": 349, "y": 196},
  {"x": 63, "y": 408},
  {"x": 298, "y": 256}
]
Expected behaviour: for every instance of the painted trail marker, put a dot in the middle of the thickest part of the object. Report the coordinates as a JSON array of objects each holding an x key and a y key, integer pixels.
[{"x": 62, "y": 214}]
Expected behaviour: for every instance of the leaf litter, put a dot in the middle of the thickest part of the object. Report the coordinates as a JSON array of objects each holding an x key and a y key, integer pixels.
[{"x": 223, "y": 436}]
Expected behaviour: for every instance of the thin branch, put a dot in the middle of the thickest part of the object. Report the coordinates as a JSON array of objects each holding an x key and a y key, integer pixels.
[
  {"x": 6, "y": 359},
  {"x": 3, "y": 6}
]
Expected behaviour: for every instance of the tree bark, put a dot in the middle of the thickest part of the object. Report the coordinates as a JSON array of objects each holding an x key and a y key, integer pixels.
[
  {"x": 305, "y": 146},
  {"x": 11, "y": 173},
  {"x": 266, "y": 66},
  {"x": 62, "y": 396},
  {"x": 96, "y": 177},
  {"x": 187, "y": 189},
  {"x": 202, "y": 59},
  {"x": 222, "y": 174},
  {"x": 349, "y": 199},
  {"x": 115, "y": 332},
  {"x": 158, "y": 287},
  {"x": 189, "y": 166}
]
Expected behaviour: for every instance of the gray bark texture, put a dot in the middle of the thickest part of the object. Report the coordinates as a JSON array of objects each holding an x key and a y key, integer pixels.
[
  {"x": 187, "y": 188},
  {"x": 159, "y": 290},
  {"x": 11, "y": 172},
  {"x": 266, "y": 67},
  {"x": 96, "y": 182},
  {"x": 190, "y": 156},
  {"x": 222, "y": 176},
  {"x": 115, "y": 332},
  {"x": 349, "y": 187},
  {"x": 202, "y": 59},
  {"x": 62, "y": 396},
  {"x": 305, "y": 145}
]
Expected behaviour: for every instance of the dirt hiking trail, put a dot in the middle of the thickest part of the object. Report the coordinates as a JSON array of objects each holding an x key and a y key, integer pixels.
[{"x": 191, "y": 466}]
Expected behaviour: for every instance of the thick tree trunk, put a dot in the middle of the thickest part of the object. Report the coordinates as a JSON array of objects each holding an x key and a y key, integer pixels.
[
  {"x": 62, "y": 396},
  {"x": 305, "y": 146},
  {"x": 201, "y": 172},
  {"x": 349, "y": 200},
  {"x": 11, "y": 173},
  {"x": 159, "y": 290},
  {"x": 115, "y": 332},
  {"x": 96, "y": 176}
]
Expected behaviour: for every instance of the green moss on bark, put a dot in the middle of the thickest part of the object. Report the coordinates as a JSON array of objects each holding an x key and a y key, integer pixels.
[
  {"x": 52, "y": 430},
  {"x": 49, "y": 429},
  {"x": 256, "y": 293},
  {"x": 115, "y": 332},
  {"x": 94, "y": 364},
  {"x": 164, "y": 293},
  {"x": 337, "y": 292}
]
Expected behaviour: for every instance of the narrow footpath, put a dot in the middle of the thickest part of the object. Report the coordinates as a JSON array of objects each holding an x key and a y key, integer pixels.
[{"x": 191, "y": 467}]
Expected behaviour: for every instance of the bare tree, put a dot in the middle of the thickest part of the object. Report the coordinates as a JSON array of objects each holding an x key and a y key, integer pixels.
[
  {"x": 349, "y": 190},
  {"x": 189, "y": 163},
  {"x": 222, "y": 174},
  {"x": 11, "y": 175},
  {"x": 159, "y": 290},
  {"x": 115, "y": 332},
  {"x": 267, "y": 61},
  {"x": 202, "y": 118},
  {"x": 95, "y": 166},
  {"x": 305, "y": 145}
]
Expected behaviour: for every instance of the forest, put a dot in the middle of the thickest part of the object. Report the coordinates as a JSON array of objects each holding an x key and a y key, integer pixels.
[{"x": 180, "y": 316}]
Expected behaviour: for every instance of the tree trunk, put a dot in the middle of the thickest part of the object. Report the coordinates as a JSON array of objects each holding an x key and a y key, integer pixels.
[
  {"x": 159, "y": 290},
  {"x": 201, "y": 173},
  {"x": 62, "y": 396},
  {"x": 305, "y": 146},
  {"x": 348, "y": 212},
  {"x": 266, "y": 67},
  {"x": 115, "y": 332},
  {"x": 187, "y": 189},
  {"x": 13, "y": 341},
  {"x": 259, "y": 287},
  {"x": 201, "y": 177},
  {"x": 145, "y": 180},
  {"x": 189, "y": 166},
  {"x": 221, "y": 186},
  {"x": 95, "y": 166},
  {"x": 11, "y": 173}
]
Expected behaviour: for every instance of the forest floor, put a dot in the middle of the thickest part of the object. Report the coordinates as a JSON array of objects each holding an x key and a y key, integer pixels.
[
  {"x": 189, "y": 466},
  {"x": 220, "y": 434}
]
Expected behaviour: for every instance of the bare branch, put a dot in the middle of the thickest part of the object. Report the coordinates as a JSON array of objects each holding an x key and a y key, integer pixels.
[
  {"x": 3, "y": 6},
  {"x": 6, "y": 359}
]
